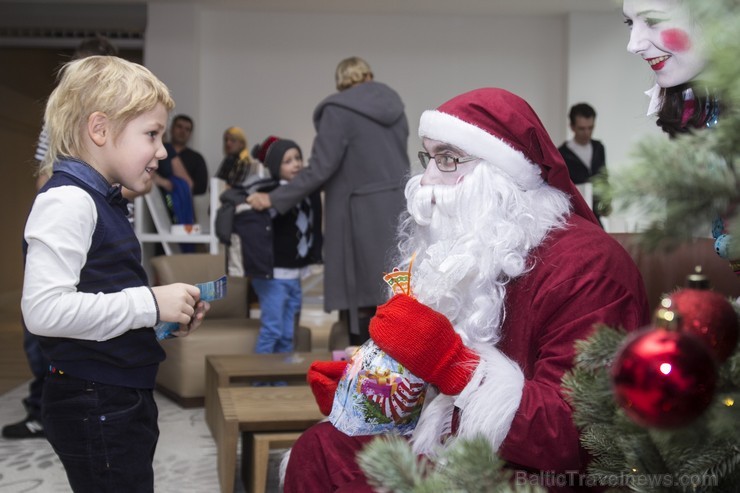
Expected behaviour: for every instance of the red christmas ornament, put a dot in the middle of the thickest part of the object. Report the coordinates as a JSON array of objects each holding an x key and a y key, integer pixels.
[
  {"x": 663, "y": 378},
  {"x": 710, "y": 316}
]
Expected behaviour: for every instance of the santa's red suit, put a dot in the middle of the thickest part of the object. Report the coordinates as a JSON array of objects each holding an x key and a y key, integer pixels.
[{"x": 509, "y": 389}]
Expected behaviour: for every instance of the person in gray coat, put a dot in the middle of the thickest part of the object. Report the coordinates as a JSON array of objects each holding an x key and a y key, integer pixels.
[{"x": 360, "y": 159}]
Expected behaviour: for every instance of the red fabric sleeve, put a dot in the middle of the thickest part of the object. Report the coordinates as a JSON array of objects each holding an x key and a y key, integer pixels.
[{"x": 581, "y": 279}]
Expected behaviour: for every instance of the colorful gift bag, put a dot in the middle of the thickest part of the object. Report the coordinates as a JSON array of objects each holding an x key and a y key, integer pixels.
[{"x": 376, "y": 395}]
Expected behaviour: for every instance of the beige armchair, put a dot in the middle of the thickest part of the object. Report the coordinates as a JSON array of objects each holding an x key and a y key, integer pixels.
[{"x": 227, "y": 328}]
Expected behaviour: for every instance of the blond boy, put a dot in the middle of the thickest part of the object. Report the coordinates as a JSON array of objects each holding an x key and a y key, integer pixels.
[{"x": 85, "y": 292}]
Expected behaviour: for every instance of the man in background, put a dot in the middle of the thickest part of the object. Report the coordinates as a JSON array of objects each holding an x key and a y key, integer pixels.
[
  {"x": 183, "y": 161},
  {"x": 181, "y": 176},
  {"x": 584, "y": 156}
]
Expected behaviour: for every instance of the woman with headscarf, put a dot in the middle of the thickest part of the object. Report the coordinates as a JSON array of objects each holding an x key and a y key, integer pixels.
[{"x": 238, "y": 168}]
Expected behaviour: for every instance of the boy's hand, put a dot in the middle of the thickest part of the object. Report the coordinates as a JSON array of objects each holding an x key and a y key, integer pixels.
[
  {"x": 259, "y": 201},
  {"x": 200, "y": 313},
  {"x": 176, "y": 302}
]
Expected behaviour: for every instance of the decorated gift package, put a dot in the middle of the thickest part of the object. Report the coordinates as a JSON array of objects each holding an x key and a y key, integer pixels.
[{"x": 377, "y": 394}]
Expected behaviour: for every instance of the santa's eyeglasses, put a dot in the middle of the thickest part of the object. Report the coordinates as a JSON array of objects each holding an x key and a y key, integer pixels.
[{"x": 445, "y": 163}]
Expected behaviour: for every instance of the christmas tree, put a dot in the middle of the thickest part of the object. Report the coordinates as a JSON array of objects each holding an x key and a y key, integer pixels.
[
  {"x": 684, "y": 184},
  {"x": 698, "y": 454}
]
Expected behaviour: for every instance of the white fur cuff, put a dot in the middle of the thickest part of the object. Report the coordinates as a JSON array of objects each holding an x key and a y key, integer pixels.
[{"x": 490, "y": 401}]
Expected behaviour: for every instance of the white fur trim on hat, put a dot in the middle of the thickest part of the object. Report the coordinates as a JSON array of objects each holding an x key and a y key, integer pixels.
[{"x": 446, "y": 128}]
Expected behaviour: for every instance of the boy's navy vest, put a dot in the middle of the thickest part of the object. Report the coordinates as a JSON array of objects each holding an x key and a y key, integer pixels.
[{"x": 113, "y": 264}]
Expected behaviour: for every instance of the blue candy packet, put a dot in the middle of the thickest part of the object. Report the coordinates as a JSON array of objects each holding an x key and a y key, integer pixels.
[{"x": 209, "y": 291}]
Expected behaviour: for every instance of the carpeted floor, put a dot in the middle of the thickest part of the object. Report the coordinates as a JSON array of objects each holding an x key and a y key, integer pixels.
[{"x": 185, "y": 460}]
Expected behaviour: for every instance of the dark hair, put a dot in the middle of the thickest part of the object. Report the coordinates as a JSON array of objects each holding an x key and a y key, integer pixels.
[
  {"x": 670, "y": 115},
  {"x": 97, "y": 45},
  {"x": 581, "y": 109},
  {"x": 185, "y": 118}
]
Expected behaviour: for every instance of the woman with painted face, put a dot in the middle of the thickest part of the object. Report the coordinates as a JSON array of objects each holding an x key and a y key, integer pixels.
[{"x": 664, "y": 34}]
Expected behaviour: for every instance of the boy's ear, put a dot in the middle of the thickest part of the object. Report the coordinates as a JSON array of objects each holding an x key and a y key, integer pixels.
[{"x": 98, "y": 128}]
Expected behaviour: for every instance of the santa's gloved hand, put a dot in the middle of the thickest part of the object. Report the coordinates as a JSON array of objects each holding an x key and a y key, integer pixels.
[
  {"x": 323, "y": 377},
  {"x": 423, "y": 340}
]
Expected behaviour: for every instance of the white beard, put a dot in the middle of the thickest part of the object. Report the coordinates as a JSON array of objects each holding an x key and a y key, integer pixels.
[{"x": 471, "y": 242}]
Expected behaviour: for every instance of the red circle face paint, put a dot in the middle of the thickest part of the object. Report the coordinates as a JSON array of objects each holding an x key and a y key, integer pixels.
[{"x": 676, "y": 40}]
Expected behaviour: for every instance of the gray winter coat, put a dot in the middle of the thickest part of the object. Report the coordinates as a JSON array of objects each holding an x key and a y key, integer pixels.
[{"x": 360, "y": 159}]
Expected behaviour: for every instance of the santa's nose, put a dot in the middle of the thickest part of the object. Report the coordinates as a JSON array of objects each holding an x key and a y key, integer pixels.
[{"x": 432, "y": 175}]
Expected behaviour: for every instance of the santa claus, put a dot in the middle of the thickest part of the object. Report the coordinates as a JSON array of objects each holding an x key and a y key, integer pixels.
[{"x": 511, "y": 268}]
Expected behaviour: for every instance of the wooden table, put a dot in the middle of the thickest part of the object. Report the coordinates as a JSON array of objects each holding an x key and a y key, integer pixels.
[
  {"x": 254, "y": 411},
  {"x": 227, "y": 370}
]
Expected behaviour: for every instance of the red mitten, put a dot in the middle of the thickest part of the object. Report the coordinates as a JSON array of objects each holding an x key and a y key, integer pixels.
[
  {"x": 323, "y": 377},
  {"x": 423, "y": 341}
]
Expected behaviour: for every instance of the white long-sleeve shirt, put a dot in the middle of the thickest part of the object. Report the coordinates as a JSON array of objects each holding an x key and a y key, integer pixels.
[{"x": 59, "y": 234}]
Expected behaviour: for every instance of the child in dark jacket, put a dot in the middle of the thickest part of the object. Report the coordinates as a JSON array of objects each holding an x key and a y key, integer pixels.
[{"x": 277, "y": 249}]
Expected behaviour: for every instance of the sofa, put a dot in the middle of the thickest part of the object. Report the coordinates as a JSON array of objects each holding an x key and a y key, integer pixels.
[{"x": 227, "y": 328}]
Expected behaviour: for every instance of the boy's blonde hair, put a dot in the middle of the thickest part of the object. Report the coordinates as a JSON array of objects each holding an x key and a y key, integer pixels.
[
  {"x": 351, "y": 71},
  {"x": 121, "y": 89}
]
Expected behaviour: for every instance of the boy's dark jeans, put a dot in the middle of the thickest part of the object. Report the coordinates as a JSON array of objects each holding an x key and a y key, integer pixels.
[{"x": 104, "y": 435}]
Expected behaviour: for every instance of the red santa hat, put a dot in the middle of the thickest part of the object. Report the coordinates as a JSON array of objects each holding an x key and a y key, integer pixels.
[{"x": 502, "y": 129}]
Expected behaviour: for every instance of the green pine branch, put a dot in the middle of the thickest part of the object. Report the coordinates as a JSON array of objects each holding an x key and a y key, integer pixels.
[
  {"x": 705, "y": 451},
  {"x": 466, "y": 466}
]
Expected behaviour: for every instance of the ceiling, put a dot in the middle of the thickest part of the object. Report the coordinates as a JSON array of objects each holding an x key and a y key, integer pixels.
[
  {"x": 448, "y": 7},
  {"x": 25, "y": 23}
]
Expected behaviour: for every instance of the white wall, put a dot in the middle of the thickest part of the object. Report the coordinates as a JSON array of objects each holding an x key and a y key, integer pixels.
[
  {"x": 602, "y": 73},
  {"x": 172, "y": 50},
  {"x": 266, "y": 71}
]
